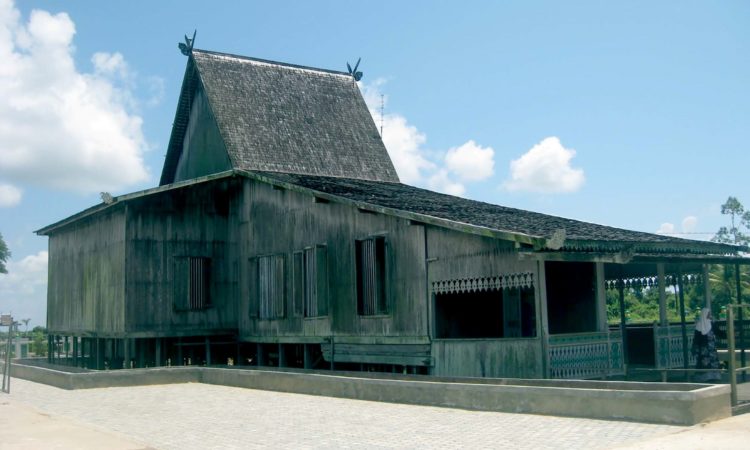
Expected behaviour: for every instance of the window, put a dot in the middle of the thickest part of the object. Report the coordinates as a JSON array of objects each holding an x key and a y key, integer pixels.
[
  {"x": 371, "y": 286},
  {"x": 311, "y": 282},
  {"x": 270, "y": 286},
  {"x": 192, "y": 283}
]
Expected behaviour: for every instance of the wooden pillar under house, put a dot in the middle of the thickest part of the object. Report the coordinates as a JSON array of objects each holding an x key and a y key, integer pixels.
[
  {"x": 208, "y": 350},
  {"x": 75, "y": 351},
  {"x": 601, "y": 299},
  {"x": 282, "y": 356},
  {"x": 126, "y": 355},
  {"x": 661, "y": 281},
  {"x": 307, "y": 357},
  {"x": 623, "y": 318},
  {"x": 50, "y": 356},
  {"x": 683, "y": 325},
  {"x": 157, "y": 353},
  {"x": 141, "y": 352},
  {"x": 180, "y": 360}
]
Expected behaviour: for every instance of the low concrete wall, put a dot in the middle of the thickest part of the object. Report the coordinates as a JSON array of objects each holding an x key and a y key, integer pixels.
[{"x": 675, "y": 403}]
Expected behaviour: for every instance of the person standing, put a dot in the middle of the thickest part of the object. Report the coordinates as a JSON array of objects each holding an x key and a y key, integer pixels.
[{"x": 704, "y": 348}]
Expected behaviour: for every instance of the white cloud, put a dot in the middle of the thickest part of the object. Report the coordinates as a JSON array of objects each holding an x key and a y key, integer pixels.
[
  {"x": 545, "y": 168},
  {"x": 441, "y": 182},
  {"x": 23, "y": 290},
  {"x": 9, "y": 195},
  {"x": 402, "y": 140},
  {"x": 689, "y": 223},
  {"x": 110, "y": 64},
  {"x": 471, "y": 162},
  {"x": 666, "y": 228},
  {"x": 60, "y": 127}
]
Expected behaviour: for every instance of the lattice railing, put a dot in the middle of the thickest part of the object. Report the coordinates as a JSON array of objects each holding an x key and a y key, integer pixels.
[
  {"x": 721, "y": 333},
  {"x": 586, "y": 355},
  {"x": 668, "y": 346}
]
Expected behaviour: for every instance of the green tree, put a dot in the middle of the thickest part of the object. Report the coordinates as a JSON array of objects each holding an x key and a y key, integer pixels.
[
  {"x": 4, "y": 255},
  {"x": 723, "y": 276}
]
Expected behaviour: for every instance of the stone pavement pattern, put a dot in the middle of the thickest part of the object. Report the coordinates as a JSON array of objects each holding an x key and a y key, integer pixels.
[{"x": 199, "y": 416}]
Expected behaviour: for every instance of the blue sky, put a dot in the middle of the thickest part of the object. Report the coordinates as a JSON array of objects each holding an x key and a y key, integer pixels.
[{"x": 630, "y": 114}]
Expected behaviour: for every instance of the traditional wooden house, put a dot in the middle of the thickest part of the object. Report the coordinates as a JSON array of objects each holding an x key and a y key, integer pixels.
[{"x": 281, "y": 235}]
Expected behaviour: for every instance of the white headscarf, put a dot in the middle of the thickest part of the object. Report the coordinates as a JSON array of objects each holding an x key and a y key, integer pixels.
[{"x": 703, "y": 323}]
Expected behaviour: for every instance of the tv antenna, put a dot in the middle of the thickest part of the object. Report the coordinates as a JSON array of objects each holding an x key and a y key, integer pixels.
[
  {"x": 187, "y": 47},
  {"x": 353, "y": 72}
]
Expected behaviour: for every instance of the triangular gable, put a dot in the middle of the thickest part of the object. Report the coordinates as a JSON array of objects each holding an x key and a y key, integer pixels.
[{"x": 275, "y": 117}]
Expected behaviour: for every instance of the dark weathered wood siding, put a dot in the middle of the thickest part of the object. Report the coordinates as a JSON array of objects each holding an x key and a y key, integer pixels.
[
  {"x": 461, "y": 256},
  {"x": 86, "y": 290},
  {"x": 203, "y": 150},
  {"x": 189, "y": 222},
  {"x": 277, "y": 221}
]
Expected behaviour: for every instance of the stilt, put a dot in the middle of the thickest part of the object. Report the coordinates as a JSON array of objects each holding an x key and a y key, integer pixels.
[
  {"x": 157, "y": 353},
  {"x": 282, "y": 356},
  {"x": 126, "y": 353},
  {"x": 208, "y": 351},
  {"x": 75, "y": 351},
  {"x": 180, "y": 362},
  {"x": 308, "y": 362},
  {"x": 141, "y": 352}
]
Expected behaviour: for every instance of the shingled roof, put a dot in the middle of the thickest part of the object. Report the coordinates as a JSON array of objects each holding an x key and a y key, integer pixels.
[
  {"x": 579, "y": 236},
  {"x": 282, "y": 118}
]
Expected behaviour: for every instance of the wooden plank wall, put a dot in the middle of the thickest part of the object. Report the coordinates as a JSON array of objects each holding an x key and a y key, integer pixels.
[
  {"x": 86, "y": 290},
  {"x": 502, "y": 358},
  {"x": 203, "y": 150},
  {"x": 281, "y": 221},
  {"x": 455, "y": 256},
  {"x": 193, "y": 221}
]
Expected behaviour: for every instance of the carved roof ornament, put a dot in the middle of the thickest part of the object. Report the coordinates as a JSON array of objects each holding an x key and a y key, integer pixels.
[
  {"x": 187, "y": 47},
  {"x": 353, "y": 72}
]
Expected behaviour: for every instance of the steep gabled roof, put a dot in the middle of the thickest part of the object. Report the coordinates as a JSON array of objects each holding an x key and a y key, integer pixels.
[{"x": 283, "y": 118}]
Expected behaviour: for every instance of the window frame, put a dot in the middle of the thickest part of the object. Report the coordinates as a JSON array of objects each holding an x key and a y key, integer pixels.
[
  {"x": 187, "y": 267},
  {"x": 376, "y": 277}
]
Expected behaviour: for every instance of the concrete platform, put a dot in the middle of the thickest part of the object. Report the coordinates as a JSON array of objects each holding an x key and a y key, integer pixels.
[{"x": 667, "y": 403}]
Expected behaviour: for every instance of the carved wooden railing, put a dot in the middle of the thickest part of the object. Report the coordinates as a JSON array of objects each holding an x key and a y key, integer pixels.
[
  {"x": 585, "y": 355},
  {"x": 668, "y": 351}
]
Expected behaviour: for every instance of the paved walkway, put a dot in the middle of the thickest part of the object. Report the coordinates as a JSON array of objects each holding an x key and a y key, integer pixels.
[{"x": 198, "y": 416}]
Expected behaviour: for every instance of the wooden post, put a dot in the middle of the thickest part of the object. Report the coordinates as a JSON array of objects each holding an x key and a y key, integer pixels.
[
  {"x": 208, "y": 351},
  {"x": 730, "y": 349},
  {"x": 308, "y": 356},
  {"x": 157, "y": 352},
  {"x": 740, "y": 315},
  {"x": 126, "y": 343},
  {"x": 141, "y": 352},
  {"x": 601, "y": 298},
  {"x": 661, "y": 281},
  {"x": 67, "y": 349},
  {"x": 623, "y": 320},
  {"x": 706, "y": 288},
  {"x": 282, "y": 356},
  {"x": 682, "y": 319},
  {"x": 542, "y": 321},
  {"x": 99, "y": 350},
  {"x": 50, "y": 357},
  {"x": 180, "y": 361},
  {"x": 75, "y": 351}
]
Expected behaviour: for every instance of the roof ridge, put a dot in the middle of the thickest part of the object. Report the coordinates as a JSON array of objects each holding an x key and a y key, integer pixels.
[{"x": 272, "y": 62}]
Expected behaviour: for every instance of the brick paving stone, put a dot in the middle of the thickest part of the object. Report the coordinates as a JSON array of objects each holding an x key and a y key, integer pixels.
[{"x": 200, "y": 416}]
